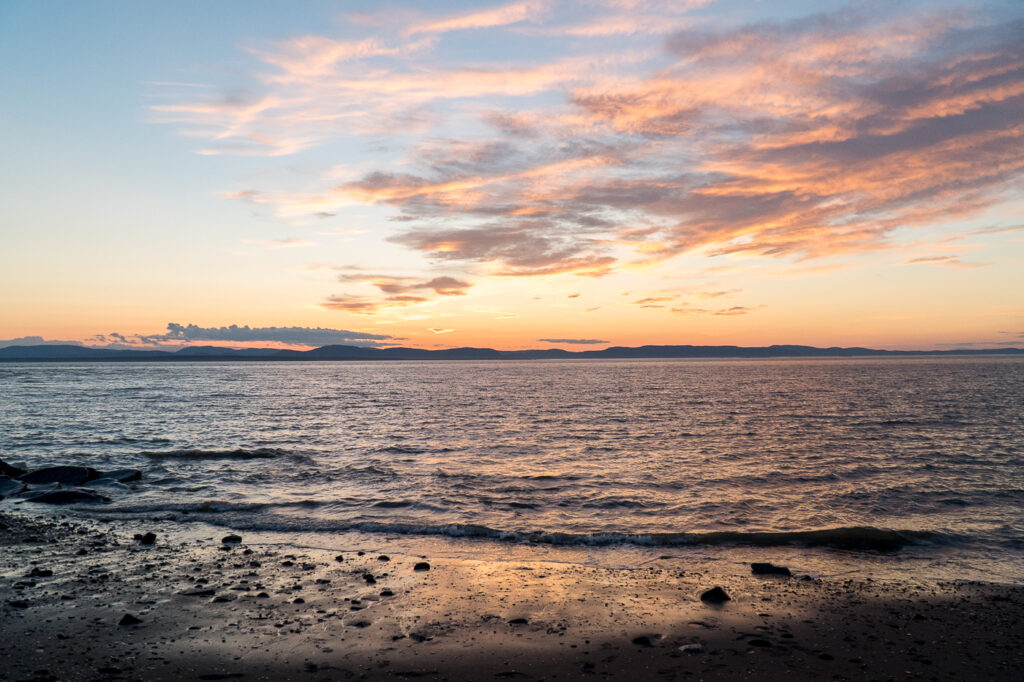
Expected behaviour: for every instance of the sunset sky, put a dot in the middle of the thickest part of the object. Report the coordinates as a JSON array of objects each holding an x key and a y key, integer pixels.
[{"x": 513, "y": 175}]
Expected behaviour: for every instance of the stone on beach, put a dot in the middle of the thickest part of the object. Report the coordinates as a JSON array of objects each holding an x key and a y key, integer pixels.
[
  {"x": 146, "y": 539},
  {"x": 120, "y": 476},
  {"x": 716, "y": 595},
  {"x": 421, "y": 566},
  {"x": 65, "y": 475},
  {"x": 769, "y": 569},
  {"x": 231, "y": 539},
  {"x": 10, "y": 470},
  {"x": 129, "y": 619}
]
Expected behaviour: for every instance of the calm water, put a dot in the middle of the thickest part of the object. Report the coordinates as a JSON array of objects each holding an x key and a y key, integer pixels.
[{"x": 577, "y": 452}]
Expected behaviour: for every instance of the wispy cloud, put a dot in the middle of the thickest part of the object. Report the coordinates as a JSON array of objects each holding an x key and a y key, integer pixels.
[
  {"x": 800, "y": 139},
  {"x": 948, "y": 261},
  {"x": 576, "y": 342},
  {"x": 528, "y": 10}
]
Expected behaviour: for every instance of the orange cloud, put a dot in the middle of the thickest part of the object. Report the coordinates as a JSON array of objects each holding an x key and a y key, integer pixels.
[{"x": 529, "y": 10}]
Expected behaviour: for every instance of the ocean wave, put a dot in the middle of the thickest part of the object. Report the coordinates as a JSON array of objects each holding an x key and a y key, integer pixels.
[
  {"x": 240, "y": 516},
  {"x": 851, "y": 538},
  {"x": 195, "y": 453}
]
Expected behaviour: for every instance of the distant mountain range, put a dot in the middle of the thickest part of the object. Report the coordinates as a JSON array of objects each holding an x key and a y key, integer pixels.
[{"x": 66, "y": 353}]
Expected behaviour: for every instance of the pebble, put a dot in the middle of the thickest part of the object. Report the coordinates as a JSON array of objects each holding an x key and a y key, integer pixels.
[
  {"x": 421, "y": 566},
  {"x": 716, "y": 595},
  {"x": 231, "y": 539},
  {"x": 129, "y": 619},
  {"x": 769, "y": 569}
]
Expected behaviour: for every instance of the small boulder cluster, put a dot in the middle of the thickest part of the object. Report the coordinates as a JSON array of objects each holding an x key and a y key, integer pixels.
[{"x": 59, "y": 484}]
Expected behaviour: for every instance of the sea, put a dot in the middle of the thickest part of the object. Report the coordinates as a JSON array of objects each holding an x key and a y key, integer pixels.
[{"x": 880, "y": 466}]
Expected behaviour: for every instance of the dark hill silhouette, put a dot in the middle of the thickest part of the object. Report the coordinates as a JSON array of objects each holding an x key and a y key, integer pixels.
[{"x": 69, "y": 353}]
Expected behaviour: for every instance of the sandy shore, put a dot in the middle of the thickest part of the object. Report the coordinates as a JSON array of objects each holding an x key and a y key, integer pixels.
[{"x": 209, "y": 610}]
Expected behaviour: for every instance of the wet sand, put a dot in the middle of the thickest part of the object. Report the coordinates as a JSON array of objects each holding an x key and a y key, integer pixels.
[{"x": 208, "y": 610}]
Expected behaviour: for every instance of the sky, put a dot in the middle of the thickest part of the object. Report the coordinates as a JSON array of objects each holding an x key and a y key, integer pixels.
[{"x": 512, "y": 175}]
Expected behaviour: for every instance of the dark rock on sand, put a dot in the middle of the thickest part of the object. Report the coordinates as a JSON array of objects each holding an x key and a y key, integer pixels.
[
  {"x": 67, "y": 497},
  {"x": 518, "y": 621},
  {"x": 769, "y": 569},
  {"x": 199, "y": 592},
  {"x": 129, "y": 619},
  {"x": 421, "y": 566},
  {"x": 18, "y": 604},
  {"x": 10, "y": 470},
  {"x": 340, "y": 557},
  {"x": 147, "y": 539},
  {"x": 383, "y": 557},
  {"x": 370, "y": 580},
  {"x": 40, "y": 572},
  {"x": 387, "y": 593},
  {"x": 231, "y": 539},
  {"x": 716, "y": 595},
  {"x": 65, "y": 475},
  {"x": 759, "y": 642},
  {"x": 120, "y": 475}
]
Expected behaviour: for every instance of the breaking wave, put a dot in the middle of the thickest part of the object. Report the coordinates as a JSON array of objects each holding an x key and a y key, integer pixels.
[{"x": 239, "y": 453}]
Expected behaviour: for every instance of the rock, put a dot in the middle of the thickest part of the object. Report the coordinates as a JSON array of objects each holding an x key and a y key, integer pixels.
[
  {"x": 129, "y": 619},
  {"x": 18, "y": 604},
  {"x": 644, "y": 640},
  {"x": 10, "y": 470},
  {"x": 340, "y": 557},
  {"x": 40, "y": 572},
  {"x": 68, "y": 497},
  {"x": 231, "y": 539},
  {"x": 263, "y": 595},
  {"x": 65, "y": 475},
  {"x": 716, "y": 595},
  {"x": 9, "y": 486},
  {"x": 370, "y": 580},
  {"x": 421, "y": 566},
  {"x": 692, "y": 649},
  {"x": 383, "y": 557},
  {"x": 222, "y": 598},
  {"x": 199, "y": 592},
  {"x": 147, "y": 539},
  {"x": 387, "y": 593},
  {"x": 769, "y": 569},
  {"x": 120, "y": 476},
  {"x": 518, "y": 621},
  {"x": 298, "y": 600},
  {"x": 759, "y": 642}
]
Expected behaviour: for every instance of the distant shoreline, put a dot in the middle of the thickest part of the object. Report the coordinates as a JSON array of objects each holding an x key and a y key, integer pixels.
[{"x": 337, "y": 353}]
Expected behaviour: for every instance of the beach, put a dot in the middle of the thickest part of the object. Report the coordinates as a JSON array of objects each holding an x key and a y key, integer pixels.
[{"x": 72, "y": 590}]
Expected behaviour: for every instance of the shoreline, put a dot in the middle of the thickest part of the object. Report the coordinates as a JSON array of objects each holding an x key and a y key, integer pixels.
[{"x": 272, "y": 611}]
